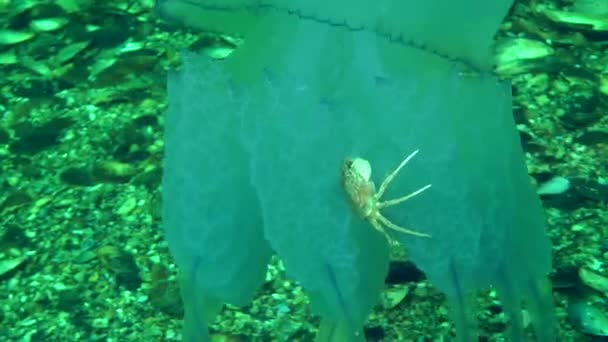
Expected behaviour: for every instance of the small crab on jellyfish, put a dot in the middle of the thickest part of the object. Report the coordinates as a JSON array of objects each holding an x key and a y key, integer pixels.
[{"x": 367, "y": 202}]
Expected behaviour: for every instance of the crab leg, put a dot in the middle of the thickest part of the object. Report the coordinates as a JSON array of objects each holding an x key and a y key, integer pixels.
[
  {"x": 393, "y": 174},
  {"x": 393, "y": 226},
  {"x": 395, "y": 201},
  {"x": 379, "y": 228}
]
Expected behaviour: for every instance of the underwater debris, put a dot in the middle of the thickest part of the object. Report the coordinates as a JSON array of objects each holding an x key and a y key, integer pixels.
[
  {"x": 48, "y": 24},
  {"x": 554, "y": 186},
  {"x": 589, "y": 16},
  {"x": 593, "y": 137},
  {"x": 571, "y": 193},
  {"x": 4, "y": 136},
  {"x": 11, "y": 37},
  {"x": 164, "y": 292},
  {"x": 591, "y": 190},
  {"x": 402, "y": 272},
  {"x": 78, "y": 176},
  {"x": 587, "y": 317},
  {"x": 594, "y": 280},
  {"x": 393, "y": 296},
  {"x": 11, "y": 264},
  {"x": 515, "y": 56},
  {"x": 15, "y": 200},
  {"x": 122, "y": 265},
  {"x": 34, "y": 139},
  {"x": 111, "y": 171},
  {"x": 8, "y": 58}
]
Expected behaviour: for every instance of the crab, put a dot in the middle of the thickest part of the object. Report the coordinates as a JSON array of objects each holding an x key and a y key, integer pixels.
[{"x": 367, "y": 202}]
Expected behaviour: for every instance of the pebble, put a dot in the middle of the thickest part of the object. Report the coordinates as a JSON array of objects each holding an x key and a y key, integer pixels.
[{"x": 127, "y": 207}]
